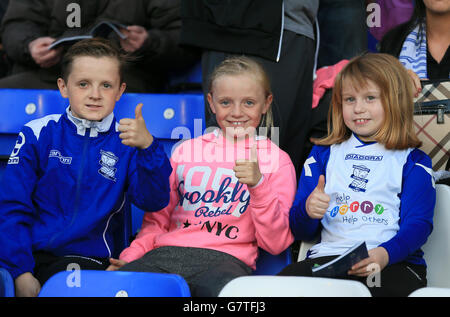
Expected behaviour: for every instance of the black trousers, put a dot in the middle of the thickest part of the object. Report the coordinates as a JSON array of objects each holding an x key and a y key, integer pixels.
[
  {"x": 291, "y": 81},
  {"x": 396, "y": 280},
  {"x": 47, "y": 264}
]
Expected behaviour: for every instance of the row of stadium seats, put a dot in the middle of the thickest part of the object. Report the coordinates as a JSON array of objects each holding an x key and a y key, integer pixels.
[{"x": 172, "y": 118}]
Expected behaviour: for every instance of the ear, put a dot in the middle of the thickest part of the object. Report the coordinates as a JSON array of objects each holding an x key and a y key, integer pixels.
[
  {"x": 62, "y": 87},
  {"x": 210, "y": 101},
  {"x": 267, "y": 104},
  {"x": 122, "y": 88}
]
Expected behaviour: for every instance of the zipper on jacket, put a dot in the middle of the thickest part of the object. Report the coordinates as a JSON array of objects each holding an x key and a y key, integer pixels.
[{"x": 281, "y": 32}]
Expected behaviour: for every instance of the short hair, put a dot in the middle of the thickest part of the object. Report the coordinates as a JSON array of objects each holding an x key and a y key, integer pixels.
[
  {"x": 237, "y": 65},
  {"x": 396, "y": 95},
  {"x": 95, "y": 47}
]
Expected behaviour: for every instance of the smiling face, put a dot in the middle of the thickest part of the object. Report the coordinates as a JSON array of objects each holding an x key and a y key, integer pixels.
[
  {"x": 93, "y": 87},
  {"x": 362, "y": 109},
  {"x": 238, "y": 101}
]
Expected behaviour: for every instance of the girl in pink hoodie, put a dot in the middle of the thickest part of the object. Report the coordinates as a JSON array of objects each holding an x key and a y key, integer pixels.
[{"x": 231, "y": 190}]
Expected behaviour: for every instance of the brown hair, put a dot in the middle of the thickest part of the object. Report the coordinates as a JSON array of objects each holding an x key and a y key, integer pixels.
[
  {"x": 237, "y": 65},
  {"x": 95, "y": 47},
  {"x": 396, "y": 96}
]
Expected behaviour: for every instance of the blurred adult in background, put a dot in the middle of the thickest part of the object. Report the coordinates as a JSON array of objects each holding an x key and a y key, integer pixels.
[
  {"x": 29, "y": 27},
  {"x": 392, "y": 13},
  {"x": 4, "y": 65},
  {"x": 153, "y": 32},
  {"x": 422, "y": 43},
  {"x": 342, "y": 30}
]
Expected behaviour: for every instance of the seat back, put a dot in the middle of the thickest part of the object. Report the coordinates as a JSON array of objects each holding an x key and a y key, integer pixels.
[
  {"x": 19, "y": 106},
  {"x": 431, "y": 292},
  {"x": 293, "y": 286},
  {"x": 436, "y": 249},
  {"x": 268, "y": 264},
  {"x": 6, "y": 284},
  {"x": 114, "y": 284},
  {"x": 169, "y": 117}
]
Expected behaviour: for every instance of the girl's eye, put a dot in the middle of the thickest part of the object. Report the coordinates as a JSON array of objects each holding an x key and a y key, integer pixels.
[
  {"x": 249, "y": 103},
  {"x": 225, "y": 103},
  {"x": 370, "y": 98},
  {"x": 349, "y": 99}
]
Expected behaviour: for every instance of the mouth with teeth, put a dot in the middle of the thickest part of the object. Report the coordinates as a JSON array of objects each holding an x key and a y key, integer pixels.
[
  {"x": 237, "y": 123},
  {"x": 361, "y": 121}
]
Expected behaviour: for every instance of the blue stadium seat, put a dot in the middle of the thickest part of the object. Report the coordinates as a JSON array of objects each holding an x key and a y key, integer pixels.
[
  {"x": 6, "y": 284},
  {"x": 268, "y": 264},
  {"x": 19, "y": 106},
  {"x": 169, "y": 117},
  {"x": 114, "y": 284}
]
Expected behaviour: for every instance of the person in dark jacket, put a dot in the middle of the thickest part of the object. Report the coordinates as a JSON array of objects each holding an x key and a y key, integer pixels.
[
  {"x": 422, "y": 44},
  {"x": 30, "y": 26},
  {"x": 152, "y": 38}
]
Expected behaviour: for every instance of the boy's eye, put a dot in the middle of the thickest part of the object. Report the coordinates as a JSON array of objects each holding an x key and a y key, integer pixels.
[
  {"x": 249, "y": 103},
  {"x": 225, "y": 103},
  {"x": 83, "y": 84},
  {"x": 106, "y": 85}
]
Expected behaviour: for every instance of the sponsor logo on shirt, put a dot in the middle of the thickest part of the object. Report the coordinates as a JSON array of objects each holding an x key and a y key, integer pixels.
[
  {"x": 63, "y": 159},
  {"x": 360, "y": 157}
]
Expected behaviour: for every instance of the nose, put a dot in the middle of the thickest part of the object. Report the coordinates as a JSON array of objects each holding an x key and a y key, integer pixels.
[
  {"x": 236, "y": 110},
  {"x": 359, "y": 106},
  {"x": 95, "y": 93}
]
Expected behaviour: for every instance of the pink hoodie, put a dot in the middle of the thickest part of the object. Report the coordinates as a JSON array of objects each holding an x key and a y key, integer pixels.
[{"x": 208, "y": 208}]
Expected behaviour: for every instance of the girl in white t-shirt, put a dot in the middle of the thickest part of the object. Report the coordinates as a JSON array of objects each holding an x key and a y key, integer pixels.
[{"x": 367, "y": 181}]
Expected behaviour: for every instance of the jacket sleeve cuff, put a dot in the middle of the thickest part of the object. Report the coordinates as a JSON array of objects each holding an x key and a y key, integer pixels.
[{"x": 395, "y": 250}]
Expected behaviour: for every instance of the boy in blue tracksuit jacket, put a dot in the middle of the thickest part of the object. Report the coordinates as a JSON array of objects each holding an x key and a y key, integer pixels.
[{"x": 68, "y": 174}]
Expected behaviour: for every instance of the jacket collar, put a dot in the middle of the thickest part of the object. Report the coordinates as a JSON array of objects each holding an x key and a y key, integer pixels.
[{"x": 94, "y": 126}]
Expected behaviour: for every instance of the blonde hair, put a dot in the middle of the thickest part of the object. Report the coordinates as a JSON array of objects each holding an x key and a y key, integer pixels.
[
  {"x": 237, "y": 65},
  {"x": 396, "y": 94}
]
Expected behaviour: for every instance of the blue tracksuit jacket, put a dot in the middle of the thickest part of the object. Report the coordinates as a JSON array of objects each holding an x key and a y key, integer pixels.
[{"x": 65, "y": 180}]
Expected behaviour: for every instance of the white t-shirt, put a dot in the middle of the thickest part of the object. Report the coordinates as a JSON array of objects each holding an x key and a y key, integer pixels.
[{"x": 363, "y": 182}]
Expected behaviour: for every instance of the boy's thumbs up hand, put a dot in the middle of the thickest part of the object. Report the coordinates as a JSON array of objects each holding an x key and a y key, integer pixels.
[
  {"x": 318, "y": 202},
  {"x": 247, "y": 171},
  {"x": 134, "y": 131}
]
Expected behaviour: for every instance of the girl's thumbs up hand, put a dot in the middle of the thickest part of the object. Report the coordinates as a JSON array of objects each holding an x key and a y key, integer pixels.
[
  {"x": 247, "y": 171},
  {"x": 134, "y": 132},
  {"x": 318, "y": 202}
]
